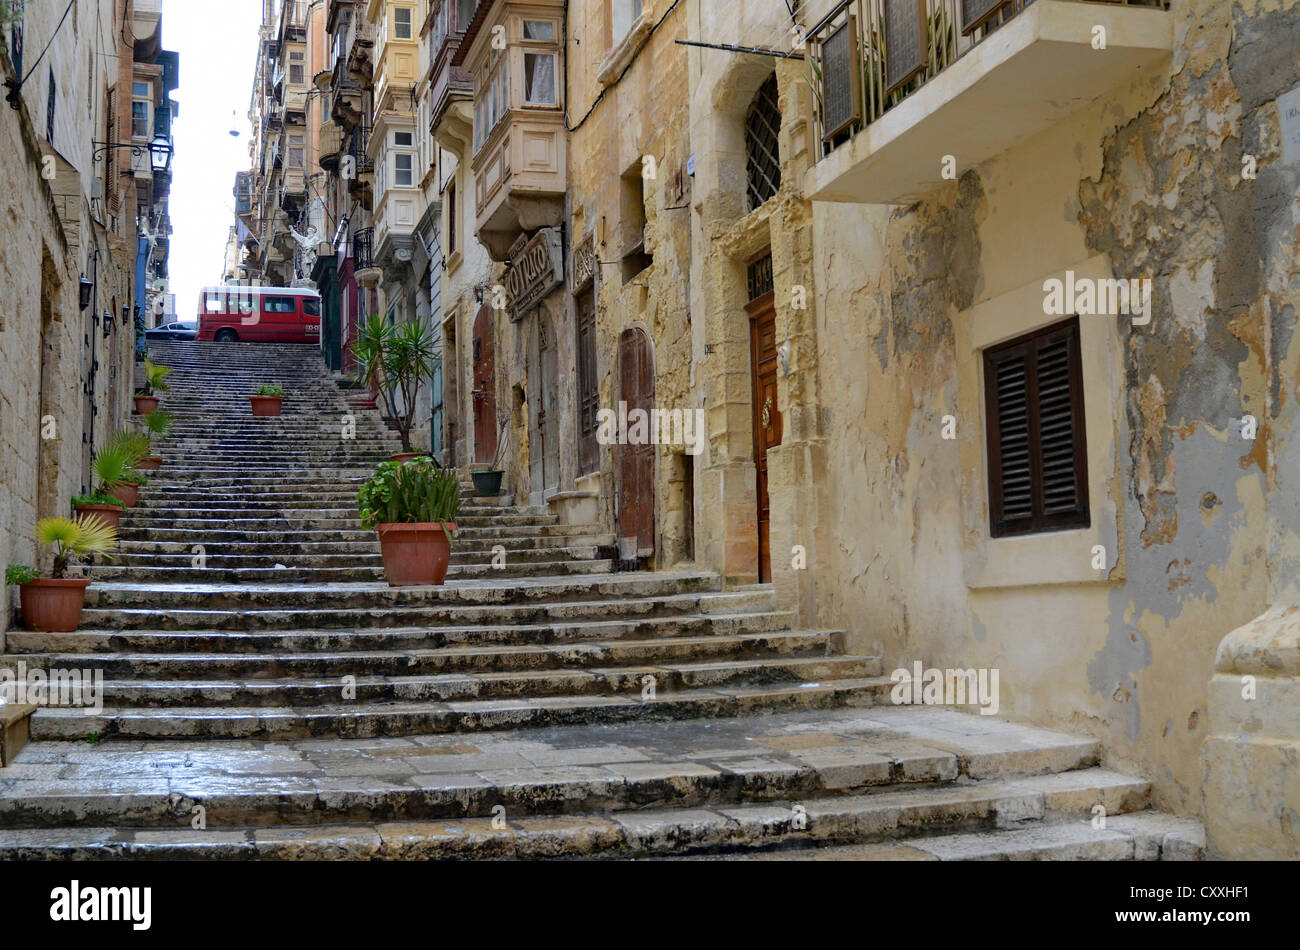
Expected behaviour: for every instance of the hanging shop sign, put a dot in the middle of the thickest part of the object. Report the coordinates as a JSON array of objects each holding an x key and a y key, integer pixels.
[{"x": 535, "y": 271}]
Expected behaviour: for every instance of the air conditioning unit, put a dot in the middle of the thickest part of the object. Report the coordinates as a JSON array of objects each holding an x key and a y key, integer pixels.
[{"x": 160, "y": 286}]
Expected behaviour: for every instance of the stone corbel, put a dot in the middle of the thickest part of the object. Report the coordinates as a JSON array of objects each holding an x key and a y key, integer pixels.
[{"x": 621, "y": 55}]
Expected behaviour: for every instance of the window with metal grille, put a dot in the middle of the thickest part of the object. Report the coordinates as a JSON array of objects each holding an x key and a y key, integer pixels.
[
  {"x": 762, "y": 149},
  {"x": 1038, "y": 459},
  {"x": 759, "y": 277}
]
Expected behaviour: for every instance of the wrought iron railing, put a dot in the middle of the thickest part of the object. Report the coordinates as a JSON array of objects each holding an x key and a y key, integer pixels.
[
  {"x": 866, "y": 56},
  {"x": 363, "y": 254},
  {"x": 358, "y": 148}
]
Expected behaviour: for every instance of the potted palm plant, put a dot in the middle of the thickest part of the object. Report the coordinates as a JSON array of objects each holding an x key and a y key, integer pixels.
[
  {"x": 397, "y": 360},
  {"x": 112, "y": 468},
  {"x": 268, "y": 400},
  {"x": 155, "y": 381},
  {"x": 413, "y": 508},
  {"x": 54, "y": 604},
  {"x": 157, "y": 424}
]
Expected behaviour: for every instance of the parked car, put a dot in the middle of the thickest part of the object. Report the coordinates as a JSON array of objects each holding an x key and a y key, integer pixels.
[
  {"x": 182, "y": 332},
  {"x": 259, "y": 315}
]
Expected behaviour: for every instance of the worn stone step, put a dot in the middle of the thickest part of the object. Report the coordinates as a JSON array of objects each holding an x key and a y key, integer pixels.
[
  {"x": 369, "y": 690},
  {"x": 155, "y": 616},
  {"x": 458, "y": 570},
  {"x": 575, "y": 635},
  {"x": 464, "y": 716},
  {"x": 602, "y": 588},
  {"x": 797, "y": 757}
]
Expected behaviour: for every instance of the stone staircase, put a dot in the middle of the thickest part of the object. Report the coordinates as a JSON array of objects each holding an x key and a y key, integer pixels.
[{"x": 258, "y": 670}]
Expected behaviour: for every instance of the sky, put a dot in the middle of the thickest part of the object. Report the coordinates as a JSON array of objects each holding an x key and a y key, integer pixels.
[{"x": 217, "y": 44}]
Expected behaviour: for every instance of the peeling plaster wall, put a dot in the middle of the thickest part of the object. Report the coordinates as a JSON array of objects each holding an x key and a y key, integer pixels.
[{"x": 1206, "y": 525}]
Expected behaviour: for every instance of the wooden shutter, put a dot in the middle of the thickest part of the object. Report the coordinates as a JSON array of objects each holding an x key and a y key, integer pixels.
[{"x": 1038, "y": 477}]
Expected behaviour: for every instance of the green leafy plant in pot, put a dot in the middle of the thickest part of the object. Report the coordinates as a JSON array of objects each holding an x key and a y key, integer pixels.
[
  {"x": 54, "y": 604},
  {"x": 397, "y": 360},
  {"x": 413, "y": 508},
  {"x": 157, "y": 425},
  {"x": 116, "y": 479},
  {"x": 155, "y": 381},
  {"x": 268, "y": 400}
]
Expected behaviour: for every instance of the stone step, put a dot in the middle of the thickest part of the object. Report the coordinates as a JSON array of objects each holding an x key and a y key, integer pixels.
[
  {"x": 364, "y": 556},
  {"x": 786, "y": 756},
  {"x": 375, "y": 690},
  {"x": 268, "y": 536},
  {"x": 152, "y": 616},
  {"x": 320, "y": 520},
  {"x": 466, "y": 545},
  {"x": 560, "y": 642},
  {"x": 655, "y": 591},
  {"x": 461, "y": 716},
  {"x": 357, "y": 573}
]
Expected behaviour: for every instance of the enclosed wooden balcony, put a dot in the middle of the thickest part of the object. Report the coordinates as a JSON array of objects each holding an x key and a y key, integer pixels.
[{"x": 902, "y": 83}]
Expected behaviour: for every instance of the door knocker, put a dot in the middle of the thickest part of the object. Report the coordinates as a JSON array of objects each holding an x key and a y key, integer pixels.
[{"x": 767, "y": 413}]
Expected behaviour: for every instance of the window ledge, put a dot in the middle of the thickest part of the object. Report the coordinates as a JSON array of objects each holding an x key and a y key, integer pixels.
[{"x": 626, "y": 49}]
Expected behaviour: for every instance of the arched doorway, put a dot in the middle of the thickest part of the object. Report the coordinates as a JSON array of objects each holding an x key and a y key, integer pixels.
[
  {"x": 636, "y": 465},
  {"x": 485, "y": 388}
]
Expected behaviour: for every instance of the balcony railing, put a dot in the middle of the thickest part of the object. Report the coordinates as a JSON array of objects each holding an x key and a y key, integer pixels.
[
  {"x": 867, "y": 56},
  {"x": 357, "y": 148},
  {"x": 363, "y": 249}
]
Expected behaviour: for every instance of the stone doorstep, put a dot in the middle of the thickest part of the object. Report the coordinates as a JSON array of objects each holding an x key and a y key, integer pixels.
[{"x": 13, "y": 729}]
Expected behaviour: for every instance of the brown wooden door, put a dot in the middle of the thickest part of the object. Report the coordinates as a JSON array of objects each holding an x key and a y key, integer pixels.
[
  {"x": 767, "y": 418},
  {"x": 485, "y": 388},
  {"x": 588, "y": 386},
  {"x": 636, "y": 513}
]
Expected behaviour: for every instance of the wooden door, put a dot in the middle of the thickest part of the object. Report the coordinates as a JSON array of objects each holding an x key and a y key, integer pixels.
[
  {"x": 636, "y": 513},
  {"x": 767, "y": 418},
  {"x": 485, "y": 388},
  {"x": 588, "y": 386}
]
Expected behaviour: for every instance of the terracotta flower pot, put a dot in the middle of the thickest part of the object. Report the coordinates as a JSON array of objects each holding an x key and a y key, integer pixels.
[
  {"x": 146, "y": 404},
  {"x": 109, "y": 514},
  {"x": 415, "y": 554},
  {"x": 266, "y": 405},
  {"x": 150, "y": 464},
  {"x": 128, "y": 493},
  {"x": 403, "y": 457},
  {"x": 53, "y": 606}
]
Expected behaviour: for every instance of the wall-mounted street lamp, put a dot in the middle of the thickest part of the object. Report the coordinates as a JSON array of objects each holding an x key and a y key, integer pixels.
[
  {"x": 126, "y": 315},
  {"x": 160, "y": 151},
  {"x": 86, "y": 288}
]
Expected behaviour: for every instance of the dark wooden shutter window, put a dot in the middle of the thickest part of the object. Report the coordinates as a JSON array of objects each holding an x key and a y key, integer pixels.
[{"x": 1038, "y": 458}]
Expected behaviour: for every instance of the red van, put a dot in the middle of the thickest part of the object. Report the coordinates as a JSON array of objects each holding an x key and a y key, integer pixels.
[{"x": 259, "y": 315}]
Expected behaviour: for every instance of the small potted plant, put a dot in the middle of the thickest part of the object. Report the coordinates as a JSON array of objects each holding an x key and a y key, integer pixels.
[
  {"x": 54, "y": 604},
  {"x": 396, "y": 360},
  {"x": 112, "y": 468},
  {"x": 157, "y": 424},
  {"x": 488, "y": 484},
  {"x": 413, "y": 507},
  {"x": 155, "y": 381},
  {"x": 268, "y": 400}
]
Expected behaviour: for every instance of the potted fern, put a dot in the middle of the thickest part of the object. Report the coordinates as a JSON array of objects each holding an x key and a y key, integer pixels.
[
  {"x": 155, "y": 381},
  {"x": 412, "y": 506},
  {"x": 157, "y": 425},
  {"x": 115, "y": 480},
  {"x": 268, "y": 400},
  {"x": 54, "y": 604}
]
